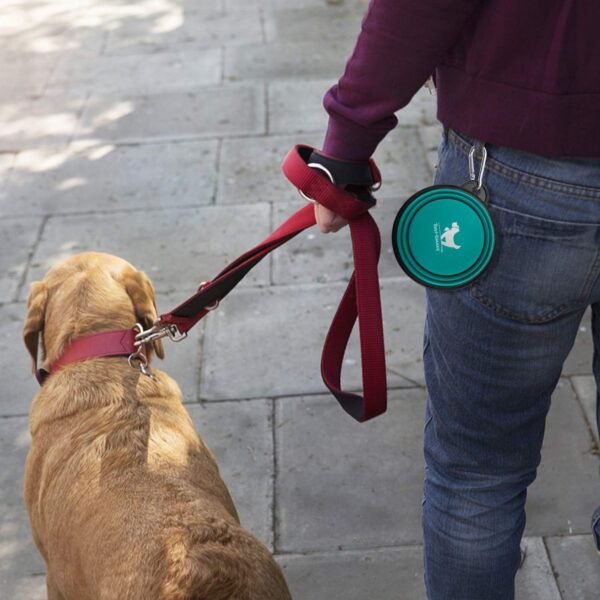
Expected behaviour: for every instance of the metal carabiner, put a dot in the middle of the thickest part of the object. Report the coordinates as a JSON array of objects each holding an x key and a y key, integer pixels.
[{"x": 472, "y": 176}]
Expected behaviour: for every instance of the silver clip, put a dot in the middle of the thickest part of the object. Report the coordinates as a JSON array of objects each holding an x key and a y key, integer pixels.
[
  {"x": 158, "y": 331},
  {"x": 140, "y": 354},
  {"x": 472, "y": 175}
]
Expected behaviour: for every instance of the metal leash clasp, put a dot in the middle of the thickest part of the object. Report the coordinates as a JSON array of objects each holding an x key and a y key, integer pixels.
[
  {"x": 156, "y": 332},
  {"x": 140, "y": 354},
  {"x": 146, "y": 336}
]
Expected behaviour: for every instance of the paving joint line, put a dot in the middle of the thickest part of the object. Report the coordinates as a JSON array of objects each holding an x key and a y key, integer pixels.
[
  {"x": 274, "y": 442},
  {"x": 217, "y": 166},
  {"x": 30, "y": 256},
  {"x": 555, "y": 574},
  {"x": 324, "y": 393},
  {"x": 348, "y": 551},
  {"x": 594, "y": 448}
]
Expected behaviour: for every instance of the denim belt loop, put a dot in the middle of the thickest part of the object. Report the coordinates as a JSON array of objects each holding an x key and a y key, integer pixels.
[{"x": 478, "y": 149}]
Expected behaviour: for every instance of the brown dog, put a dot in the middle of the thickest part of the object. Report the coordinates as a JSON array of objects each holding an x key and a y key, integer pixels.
[{"x": 125, "y": 501}]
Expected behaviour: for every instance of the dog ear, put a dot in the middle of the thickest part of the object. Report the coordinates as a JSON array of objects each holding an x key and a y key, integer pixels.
[
  {"x": 34, "y": 322},
  {"x": 140, "y": 290}
]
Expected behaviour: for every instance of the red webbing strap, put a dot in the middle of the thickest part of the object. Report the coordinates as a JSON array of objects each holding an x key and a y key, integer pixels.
[
  {"x": 360, "y": 301},
  {"x": 188, "y": 313}
]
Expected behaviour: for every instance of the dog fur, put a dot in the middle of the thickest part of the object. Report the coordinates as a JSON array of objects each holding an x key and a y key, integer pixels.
[{"x": 125, "y": 500}]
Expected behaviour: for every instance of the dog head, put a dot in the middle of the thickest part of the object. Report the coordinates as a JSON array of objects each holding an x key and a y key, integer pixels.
[{"x": 84, "y": 294}]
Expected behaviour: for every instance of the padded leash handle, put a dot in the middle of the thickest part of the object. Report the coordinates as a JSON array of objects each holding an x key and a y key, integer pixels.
[{"x": 361, "y": 300}]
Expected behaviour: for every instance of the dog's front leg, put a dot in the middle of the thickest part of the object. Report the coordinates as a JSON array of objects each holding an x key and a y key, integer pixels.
[{"x": 53, "y": 593}]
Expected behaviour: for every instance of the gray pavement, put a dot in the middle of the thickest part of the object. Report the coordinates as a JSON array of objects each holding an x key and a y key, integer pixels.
[{"x": 154, "y": 129}]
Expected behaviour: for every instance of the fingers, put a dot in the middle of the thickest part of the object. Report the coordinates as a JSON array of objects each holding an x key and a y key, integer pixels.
[{"x": 327, "y": 220}]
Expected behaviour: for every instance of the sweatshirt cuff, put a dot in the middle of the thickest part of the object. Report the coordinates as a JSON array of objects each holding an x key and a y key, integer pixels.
[{"x": 346, "y": 140}]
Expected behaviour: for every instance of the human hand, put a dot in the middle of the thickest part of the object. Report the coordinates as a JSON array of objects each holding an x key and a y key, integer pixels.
[{"x": 327, "y": 220}]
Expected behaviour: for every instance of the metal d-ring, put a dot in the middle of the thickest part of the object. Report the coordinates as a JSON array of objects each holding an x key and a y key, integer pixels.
[
  {"x": 212, "y": 305},
  {"x": 325, "y": 170},
  {"x": 472, "y": 176}
]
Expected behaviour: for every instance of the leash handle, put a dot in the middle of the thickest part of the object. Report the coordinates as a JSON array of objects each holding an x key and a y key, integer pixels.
[{"x": 361, "y": 300}]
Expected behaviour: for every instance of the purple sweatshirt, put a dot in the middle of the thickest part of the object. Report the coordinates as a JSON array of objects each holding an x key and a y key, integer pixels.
[{"x": 518, "y": 73}]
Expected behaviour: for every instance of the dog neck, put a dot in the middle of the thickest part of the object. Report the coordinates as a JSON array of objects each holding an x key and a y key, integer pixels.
[{"x": 116, "y": 342}]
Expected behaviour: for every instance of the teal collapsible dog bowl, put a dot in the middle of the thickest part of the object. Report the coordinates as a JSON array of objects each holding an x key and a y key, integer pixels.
[{"x": 443, "y": 236}]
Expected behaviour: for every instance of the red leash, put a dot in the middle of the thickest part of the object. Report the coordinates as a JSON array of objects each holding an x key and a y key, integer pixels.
[{"x": 360, "y": 301}]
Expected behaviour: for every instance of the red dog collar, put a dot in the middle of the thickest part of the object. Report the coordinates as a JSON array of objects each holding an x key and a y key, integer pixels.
[{"x": 117, "y": 342}]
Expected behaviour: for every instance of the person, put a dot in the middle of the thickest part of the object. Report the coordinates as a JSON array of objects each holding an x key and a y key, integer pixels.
[{"x": 523, "y": 78}]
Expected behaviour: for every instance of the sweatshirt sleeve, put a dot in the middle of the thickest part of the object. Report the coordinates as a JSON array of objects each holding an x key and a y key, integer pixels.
[{"x": 398, "y": 48}]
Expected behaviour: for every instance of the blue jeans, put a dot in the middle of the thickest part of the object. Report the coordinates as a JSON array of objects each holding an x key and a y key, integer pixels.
[{"x": 493, "y": 353}]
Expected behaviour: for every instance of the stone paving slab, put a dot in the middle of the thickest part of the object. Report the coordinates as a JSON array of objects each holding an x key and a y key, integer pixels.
[
  {"x": 535, "y": 580},
  {"x": 138, "y": 73},
  {"x": 19, "y": 557},
  {"x": 14, "y": 359},
  {"x": 318, "y": 23},
  {"x": 239, "y": 434},
  {"x": 324, "y": 516},
  {"x": 17, "y": 241},
  {"x": 31, "y": 123},
  {"x": 396, "y": 573},
  {"x": 178, "y": 248},
  {"x": 25, "y": 77},
  {"x": 332, "y": 471},
  {"x": 567, "y": 490},
  {"x": 404, "y": 170},
  {"x": 579, "y": 361},
  {"x": 290, "y": 364},
  {"x": 182, "y": 359},
  {"x": 201, "y": 113},
  {"x": 55, "y": 36},
  {"x": 270, "y": 5},
  {"x": 421, "y": 111},
  {"x": 577, "y": 566},
  {"x": 291, "y": 60},
  {"x": 160, "y": 32},
  {"x": 431, "y": 136},
  {"x": 314, "y": 257},
  {"x": 28, "y": 588},
  {"x": 297, "y": 107},
  {"x": 250, "y": 169},
  {"x": 88, "y": 177},
  {"x": 587, "y": 392},
  {"x": 386, "y": 574}
]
